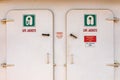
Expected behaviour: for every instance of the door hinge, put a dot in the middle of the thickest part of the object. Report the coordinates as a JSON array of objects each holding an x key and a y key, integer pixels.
[
  {"x": 5, "y": 65},
  {"x": 4, "y": 21},
  {"x": 115, "y": 19},
  {"x": 116, "y": 65}
]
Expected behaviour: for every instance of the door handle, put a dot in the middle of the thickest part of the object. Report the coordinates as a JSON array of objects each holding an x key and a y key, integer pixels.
[
  {"x": 72, "y": 35},
  {"x": 44, "y": 34},
  {"x": 71, "y": 59},
  {"x": 114, "y": 65},
  {"x": 5, "y": 65},
  {"x": 48, "y": 58}
]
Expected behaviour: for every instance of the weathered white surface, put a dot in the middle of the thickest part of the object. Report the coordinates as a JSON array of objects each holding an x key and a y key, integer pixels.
[{"x": 60, "y": 9}]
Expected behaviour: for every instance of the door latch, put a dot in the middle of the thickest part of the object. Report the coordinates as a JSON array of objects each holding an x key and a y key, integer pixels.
[
  {"x": 5, "y": 65},
  {"x": 116, "y": 65}
]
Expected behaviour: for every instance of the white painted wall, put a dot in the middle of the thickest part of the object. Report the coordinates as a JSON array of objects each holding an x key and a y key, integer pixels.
[{"x": 59, "y": 9}]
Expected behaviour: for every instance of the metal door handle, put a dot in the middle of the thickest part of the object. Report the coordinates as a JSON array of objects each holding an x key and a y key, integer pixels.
[
  {"x": 5, "y": 65},
  {"x": 44, "y": 34},
  {"x": 71, "y": 59},
  {"x": 48, "y": 58},
  {"x": 72, "y": 35},
  {"x": 114, "y": 65}
]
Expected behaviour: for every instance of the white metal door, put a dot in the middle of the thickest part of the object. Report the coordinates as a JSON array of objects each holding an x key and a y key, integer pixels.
[
  {"x": 90, "y": 45},
  {"x": 29, "y": 45}
]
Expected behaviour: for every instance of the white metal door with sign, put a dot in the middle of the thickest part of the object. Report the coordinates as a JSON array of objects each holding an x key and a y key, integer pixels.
[
  {"x": 29, "y": 45},
  {"x": 90, "y": 45}
]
